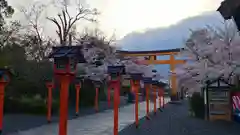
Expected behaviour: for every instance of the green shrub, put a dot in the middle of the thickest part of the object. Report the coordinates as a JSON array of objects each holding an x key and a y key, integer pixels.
[
  {"x": 197, "y": 105},
  {"x": 235, "y": 89},
  {"x": 124, "y": 90},
  {"x": 29, "y": 105}
]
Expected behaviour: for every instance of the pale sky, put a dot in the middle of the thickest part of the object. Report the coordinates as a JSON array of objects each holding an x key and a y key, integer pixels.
[
  {"x": 144, "y": 24},
  {"x": 126, "y": 16},
  {"x": 136, "y": 15}
]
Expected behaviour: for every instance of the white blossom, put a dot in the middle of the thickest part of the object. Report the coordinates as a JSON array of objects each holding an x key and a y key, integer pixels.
[
  {"x": 98, "y": 59},
  {"x": 210, "y": 54}
]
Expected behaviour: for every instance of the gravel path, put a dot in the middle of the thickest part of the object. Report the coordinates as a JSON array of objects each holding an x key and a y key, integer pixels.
[{"x": 174, "y": 120}]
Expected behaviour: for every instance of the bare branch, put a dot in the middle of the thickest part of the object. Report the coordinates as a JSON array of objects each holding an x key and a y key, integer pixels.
[{"x": 59, "y": 32}]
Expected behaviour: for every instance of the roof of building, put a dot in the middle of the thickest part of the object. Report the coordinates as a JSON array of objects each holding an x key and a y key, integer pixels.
[
  {"x": 228, "y": 7},
  {"x": 153, "y": 51}
]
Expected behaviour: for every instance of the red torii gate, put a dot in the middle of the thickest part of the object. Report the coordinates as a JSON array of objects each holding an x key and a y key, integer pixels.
[{"x": 152, "y": 59}]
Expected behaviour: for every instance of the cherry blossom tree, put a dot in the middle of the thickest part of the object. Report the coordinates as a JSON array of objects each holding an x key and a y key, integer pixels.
[
  {"x": 99, "y": 59},
  {"x": 210, "y": 54}
]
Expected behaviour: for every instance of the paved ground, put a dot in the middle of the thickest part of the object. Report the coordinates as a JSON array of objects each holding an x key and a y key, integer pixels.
[
  {"x": 174, "y": 120},
  {"x": 95, "y": 124},
  {"x": 16, "y": 122}
]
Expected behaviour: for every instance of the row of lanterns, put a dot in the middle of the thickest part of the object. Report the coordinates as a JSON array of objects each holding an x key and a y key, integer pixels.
[{"x": 65, "y": 60}]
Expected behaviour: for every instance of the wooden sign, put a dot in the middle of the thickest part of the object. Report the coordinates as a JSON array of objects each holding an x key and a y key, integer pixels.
[{"x": 218, "y": 101}]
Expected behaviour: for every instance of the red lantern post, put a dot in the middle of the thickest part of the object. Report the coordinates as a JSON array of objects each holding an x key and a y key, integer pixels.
[
  {"x": 155, "y": 99},
  {"x": 77, "y": 87},
  {"x": 115, "y": 84},
  {"x": 147, "y": 85},
  {"x": 115, "y": 72},
  {"x": 154, "y": 87},
  {"x": 50, "y": 86},
  {"x": 135, "y": 84},
  {"x": 96, "y": 99},
  {"x": 4, "y": 80},
  {"x": 162, "y": 86},
  {"x": 116, "y": 104},
  {"x": 136, "y": 88},
  {"x": 160, "y": 95},
  {"x": 65, "y": 62},
  {"x": 97, "y": 85}
]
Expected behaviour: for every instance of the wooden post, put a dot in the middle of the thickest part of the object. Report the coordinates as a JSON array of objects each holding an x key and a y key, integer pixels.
[
  {"x": 135, "y": 87},
  {"x": 147, "y": 101},
  {"x": 77, "y": 87},
  {"x": 2, "y": 88},
  {"x": 49, "y": 105},
  {"x": 163, "y": 100},
  {"x": 65, "y": 80},
  {"x": 116, "y": 100},
  {"x": 154, "y": 100},
  {"x": 96, "y": 99},
  {"x": 160, "y": 98},
  {"x": 109, "y": 96}
]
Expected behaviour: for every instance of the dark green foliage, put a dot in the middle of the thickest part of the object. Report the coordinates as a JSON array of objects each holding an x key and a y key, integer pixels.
[
  {"x": 29, "y": 105},
  {"x": 124, "y": 90},
  {"x": 197, "y": 105},
  {"x": 87, "y": 94},
  {"x": 25, "y": 53},
  {"x": 29, "y": 81},
  {"x": 235, "y": 89}
]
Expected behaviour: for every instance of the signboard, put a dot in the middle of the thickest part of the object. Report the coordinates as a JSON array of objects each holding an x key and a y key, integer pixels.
[{"x": 219, "y": 105}]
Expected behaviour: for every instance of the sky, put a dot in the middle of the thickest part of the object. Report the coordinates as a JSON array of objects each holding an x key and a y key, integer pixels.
[
  {"x": 125, "y": 16},
  {"x": 143, "y": 24}
]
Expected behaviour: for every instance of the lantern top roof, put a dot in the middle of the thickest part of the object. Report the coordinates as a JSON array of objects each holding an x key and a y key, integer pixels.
[
  {"x": 116, "y": 69},
  {"x": 154, "y": 82},
  {"x": 162, "y": 84},
  {"x": 68, "y": 52},
  {"x": 4, "y": 70},
  {"x": 136, "y": 76},
  {"x": 117, "y": 66},
  {"x": 158, "y": 83},
  {"x": 147, "y": 79},
  {"x": 48, "y": 79}
]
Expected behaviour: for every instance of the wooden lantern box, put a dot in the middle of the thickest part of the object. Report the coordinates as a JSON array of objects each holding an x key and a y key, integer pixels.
[
  {"x": 161, "y": 84},
  {"x": 49, "y": 83},
  {"x": 66, "y": 59},
  {"x": 147, "y": 80},
  {"x": 5, "y": 74},
  {"x": 115, "y": 72},
  {"x": 136, "y": 76},
  {"x": 97, "y": 84}
]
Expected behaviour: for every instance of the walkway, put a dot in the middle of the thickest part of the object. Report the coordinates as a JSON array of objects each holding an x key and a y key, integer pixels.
[
  {"x": 96, "y": 124},
  {"x": 19, "y": 122},
  {"x": 174, "y": 120}
]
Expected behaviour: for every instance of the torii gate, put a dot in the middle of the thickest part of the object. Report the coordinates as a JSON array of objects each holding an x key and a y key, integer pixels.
[{"x": 152, "y": 59}]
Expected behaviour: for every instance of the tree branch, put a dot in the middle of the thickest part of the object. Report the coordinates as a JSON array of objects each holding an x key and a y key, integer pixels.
[{"x": 59, "y": 32}]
